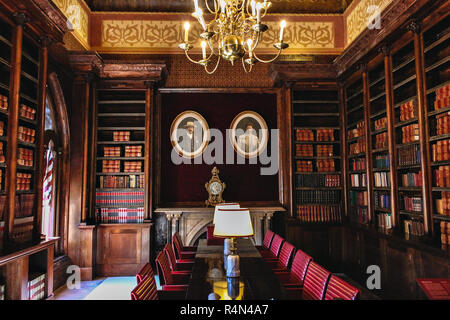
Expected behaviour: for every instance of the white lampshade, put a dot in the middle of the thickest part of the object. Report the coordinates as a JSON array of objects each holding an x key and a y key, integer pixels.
[
  {"x": 225, "y": 206},
  {"x": 233, "y": 223}
]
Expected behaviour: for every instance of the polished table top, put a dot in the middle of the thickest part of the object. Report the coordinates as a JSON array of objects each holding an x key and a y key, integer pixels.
[{"x": 257, "y": 280}]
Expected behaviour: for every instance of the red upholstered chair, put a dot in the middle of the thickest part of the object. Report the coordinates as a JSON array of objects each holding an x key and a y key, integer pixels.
[
  {"x": 274, "y": 251},
  {"x": 184, "y": 248},
  {"x": 211, "y": 240},
  {"x": 146, "y": 290},
  {"x": 177, "y": 265},
  {"x": 168, "y": 277},
  {"x": 145, "y": 271},
  {"x": 267, "y": 241},
  {"x": 315, "y": 282},
  {"x": 296, "y": 276},
  {"x": 180, "y": 251},
  {"x": 338, "y": 289},
  {"x": 282, "y": 263}
]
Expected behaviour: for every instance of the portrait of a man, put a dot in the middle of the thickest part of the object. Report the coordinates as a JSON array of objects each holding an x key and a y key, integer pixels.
[
  {"x": 249, "y": 134},
  {"x": 249, "y": 141}
]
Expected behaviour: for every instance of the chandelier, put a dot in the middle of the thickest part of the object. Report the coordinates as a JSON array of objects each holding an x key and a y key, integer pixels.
[{"x": 233, "y": 33}]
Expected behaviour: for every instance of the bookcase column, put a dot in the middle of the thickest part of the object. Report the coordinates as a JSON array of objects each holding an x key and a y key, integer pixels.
[
  {"x": 344, "y": 154},
  {"x": 390, "y": 116},
  {"x": 416, "y": 28},
  {"x": 20, "y": 20}
]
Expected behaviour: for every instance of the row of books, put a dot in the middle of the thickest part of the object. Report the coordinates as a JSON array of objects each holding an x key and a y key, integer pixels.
[
  {"x": 410, "y": 133},
  {"x": 442, "y": 97},
  {"x": 414, "y": 227},
  {"x": 384, "y": 220},
  {"x": 2, "y": 128},
  {"x": 358, "y": 131},
  {"x": 120, "y": 215},
  {"x": 409, "y": 155},
  {"x": 443, "y": 123},
  {"x": 412, "y": 203},
  {"x": 121, "y": 136},
  {"x": 443, "y": 204},
  {"x": 119, "y": 198},
  {"x": 445, "y": 232},
  {"x": 304, "y": 166},
  {"x": 382, "y": 200},
  {"x": 23, "y": 230},
  {"x": 27, "y": 112},
  {"x": 26, "y": 134},
  {"x": 357, "y": 147},
  {"x": 304, "y": 150},
  {"x": 382, "y": 162},
  {"x": 304, "y": 135},
  {"x": 318, "y": 196},
  {"x": 130, "y": 181},
  {"x": 3, "y": 102},
  {"x": 318, "y": 180},
  {"x": 110, "y": 166},
  {"x": 25, "y": 157},
  {"x": 381, "y": 179},
  {"x": 381, "y": 140},
  {"x": 325, "y": 135},
  {"x": 359, "y": 215},
  {"x": 441, "y": 150},
  {"x": 319, "y": 214},
  {"x": 358, "y": 180},
  {"x": 411, "y": 179},
  {"x": 407, "y": 110},
  {"x": 36, "y": 286},
  {"x": 1, "y": 179},
  {"x": 132, "y": 166},
  {"x": 325, "y": 165},
  {"x": 23, "y": 181},
  {"x": 111, "y": 151},
  {"x": 2, "y": 154},
  {"x": 24, "y": 205},
  {"x": 357, "y": 164},
  {"x": 324, "y": 150},
  {"x": 133, "y": 151},
  {"x": 380, "y": 123},
  {"x": 358, "y": 198}
]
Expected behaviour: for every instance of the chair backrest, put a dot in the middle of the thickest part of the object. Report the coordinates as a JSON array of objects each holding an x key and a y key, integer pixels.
[
  {"x": 286, "y": 253},
  {"x": 340, "y": 289},
  {"x": 163, "y": 266},
  {"x": 268, "y": 239},
  {"x": 300, "y": 265},
  {"x": 177, "y": 245},
  {"x": 171, "y": 256},
  {"x": 276, "y": 245},
  {"x": 146, "y": 289},
  {"x": 145, "y": 270},
  {"x": 180, "y": 241},
  {"x": 315, "y": 282}
]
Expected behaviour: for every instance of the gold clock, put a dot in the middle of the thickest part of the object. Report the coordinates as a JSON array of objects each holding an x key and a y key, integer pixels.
[{"x": 215, "y": 188}]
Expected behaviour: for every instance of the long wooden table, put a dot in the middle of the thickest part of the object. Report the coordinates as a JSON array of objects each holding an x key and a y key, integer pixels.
[{"x": 257, "y": 280}]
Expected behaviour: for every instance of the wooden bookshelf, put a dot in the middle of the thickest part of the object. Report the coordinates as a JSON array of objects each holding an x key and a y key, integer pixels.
[
  {"x": 358, "y": 205},
  {"x": 437, "y": 76},
  {"x": 317, "y": 156},
  {"x": 120, "y": 194}
]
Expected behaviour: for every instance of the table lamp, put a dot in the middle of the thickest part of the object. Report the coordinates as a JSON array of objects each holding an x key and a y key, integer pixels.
[
  {"x": 229, "y": 205},
  {"x": 232, "y": 224}
]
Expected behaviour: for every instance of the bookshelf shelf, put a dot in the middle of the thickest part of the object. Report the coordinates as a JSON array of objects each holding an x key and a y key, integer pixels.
[
  {"x": 412, "y": 214},
  {"x": 316, "y": 114},
  {"x": 441, "y": 217},
  {"x": 315, "y": 102},
  {"x": 118, "y": 173},
  {"x": 405, "y": 123}
]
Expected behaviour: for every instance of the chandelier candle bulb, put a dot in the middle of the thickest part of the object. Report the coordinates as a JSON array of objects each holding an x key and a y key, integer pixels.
[
  {"x": 186, "y": 32},
  {"x": 283, "y": 25},
  {"x": 250, "y": 48},
  {"x": 258, "y": 12},
  {"x": 223, "y": 5},
  {"x": 196, "y": 5},
  {"x": 253, "y": 4},
  {"x": 204, "y": 49}
]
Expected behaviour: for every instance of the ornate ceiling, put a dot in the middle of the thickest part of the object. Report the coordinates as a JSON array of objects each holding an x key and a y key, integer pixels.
[{"x": 279, "y": 6}]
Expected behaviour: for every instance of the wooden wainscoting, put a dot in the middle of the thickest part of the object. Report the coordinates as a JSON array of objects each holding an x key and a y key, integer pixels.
[{"x": 122, "y": 249}]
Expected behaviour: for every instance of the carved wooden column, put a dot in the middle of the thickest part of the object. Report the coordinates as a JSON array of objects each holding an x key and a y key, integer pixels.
[
  {"x": 390, "y": 116},
  {"x": 344, "y": 154},
  {"x": 368, "y": 141},
  {"x": 40, "y": 118},
  {"x": 415, "y": 27},
  {"x": 20, "y": 20}
]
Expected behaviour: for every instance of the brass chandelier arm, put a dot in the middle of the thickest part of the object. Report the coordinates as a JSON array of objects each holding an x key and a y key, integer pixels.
[
  {"x": 268, "y": 61},
  {"x": 245, "y": 69},
  {"x": 215, "y": 68},
  {"x": 199, "y": 61},
  {"x": 216, "y": 6}
]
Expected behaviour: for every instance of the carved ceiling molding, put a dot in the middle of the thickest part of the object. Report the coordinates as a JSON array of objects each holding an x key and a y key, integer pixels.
[{"x": 291, "y": 72}]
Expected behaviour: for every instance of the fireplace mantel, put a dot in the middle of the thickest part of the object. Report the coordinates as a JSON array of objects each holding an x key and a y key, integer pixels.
[{"x": 191, "y": 222}]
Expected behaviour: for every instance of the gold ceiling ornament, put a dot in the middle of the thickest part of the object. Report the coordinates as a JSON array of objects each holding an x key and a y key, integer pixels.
[{"x": 233, "y": 33}]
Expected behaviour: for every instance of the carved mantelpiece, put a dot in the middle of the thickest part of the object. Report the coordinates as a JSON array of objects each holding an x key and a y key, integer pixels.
[{"x": 191, "y": 223}]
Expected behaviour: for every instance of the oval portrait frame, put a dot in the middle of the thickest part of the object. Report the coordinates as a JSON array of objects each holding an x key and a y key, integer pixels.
[
  {"x": 264, "y": 137},
  {"x": 173, "y": 137}
]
